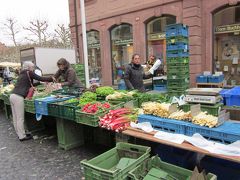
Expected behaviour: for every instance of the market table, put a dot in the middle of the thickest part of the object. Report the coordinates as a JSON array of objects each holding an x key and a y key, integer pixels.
[
  {"x": 187, "y": 146},
  {"x": 210, "y": 85}
]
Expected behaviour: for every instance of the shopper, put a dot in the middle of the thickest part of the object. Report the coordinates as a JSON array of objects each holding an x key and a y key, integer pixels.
[
  {"x": 67, "y": 75},
  {"x": 134, "y": 74},
  {"x": 7, "y": 75},
  {"x": 24, "y": 82},
  {"x": 151, "y": 61}
]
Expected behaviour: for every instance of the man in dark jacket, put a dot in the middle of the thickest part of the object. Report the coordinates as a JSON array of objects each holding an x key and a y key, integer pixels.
[{"x": 134, "y": 74}]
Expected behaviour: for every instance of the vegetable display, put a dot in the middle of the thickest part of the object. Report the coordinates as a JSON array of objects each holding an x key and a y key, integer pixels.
[
  {"x": 157, "y": 109},
  {"x": 117, "y": 120},
  {"x": 162, "y": 110},
  {"x": 104, "y": 91},
  {"x": 7, "y": 89},
  {"x": 96, "y": 107},
  {"x": 204, "y": 119},
  {"x": 181, "y": 115},
  {"x": 120, "y": 95},
  {"x": 87, "y": 97},
  {"x": 73, "y": 100}
]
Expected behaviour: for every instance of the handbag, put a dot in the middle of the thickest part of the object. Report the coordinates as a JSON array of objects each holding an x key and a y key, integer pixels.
[{"x": 31, "y": 90}]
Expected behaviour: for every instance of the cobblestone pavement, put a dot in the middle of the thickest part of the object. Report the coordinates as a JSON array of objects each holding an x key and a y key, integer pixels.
[{"x": 40, "y": 159}]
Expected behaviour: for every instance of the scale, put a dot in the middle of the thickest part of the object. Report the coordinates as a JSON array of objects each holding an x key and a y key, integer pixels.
[
  {"x": 203, "y": 99},
  {"x": 204, "y": 91},
  {"x": 203, "y": 95}
]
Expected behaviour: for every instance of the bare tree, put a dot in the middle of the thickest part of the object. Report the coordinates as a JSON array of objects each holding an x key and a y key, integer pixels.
[
  {"x": 63, "y": 35},
  {"x": 39, "y": 29},
  {"x": 12, "y": 29}
]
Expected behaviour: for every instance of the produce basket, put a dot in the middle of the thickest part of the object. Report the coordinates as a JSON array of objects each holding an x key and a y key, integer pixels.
[
  {"x": 68, "y": 111},
  {"x": 63, "y": 109},
  {"x": 154, "y": 168},
  {"x": 115, "y": 163},
  {"x": 29, "y": 106},
  {"x": 211, "y": 109},
  {"x": 41, "y": 105}
]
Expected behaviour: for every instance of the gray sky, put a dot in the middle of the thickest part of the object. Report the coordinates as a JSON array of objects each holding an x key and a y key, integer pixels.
[{"x": 54, "y": 11}]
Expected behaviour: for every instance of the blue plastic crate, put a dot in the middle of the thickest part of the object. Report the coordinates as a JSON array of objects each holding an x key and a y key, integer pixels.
[
  {"x": 226, "y": 133},
  {"x": 232, "y": 96},
  {"x": 222, "y": 93},
  {"x": 178, "y": 53},
  {"x": 160, "y": 87},
  {"x": 202, "y": 79},
  {"x": 41, "y": 105},
  {"x": 177, "y": 46},
  {"x": 176, "y": 30},
  {"x": 215, "y": 79},
  {"x": 164, "y": 124}
]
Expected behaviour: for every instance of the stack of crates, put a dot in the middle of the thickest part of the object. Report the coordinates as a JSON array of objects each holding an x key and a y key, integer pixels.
[
  {"x": 177, "y": 59},
  {"x": 79, "y": 68}
]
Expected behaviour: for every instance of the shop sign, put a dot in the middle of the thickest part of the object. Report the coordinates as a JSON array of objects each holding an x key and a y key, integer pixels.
[
  {"x": 123, "y": 42},
  {"x": 94, "y": 45},
  {"x": 227, "y": 28},
  {"x": 156, "y": 36}
]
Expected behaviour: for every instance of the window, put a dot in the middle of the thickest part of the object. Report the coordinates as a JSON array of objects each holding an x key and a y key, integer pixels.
[
  {"x": 156, "y": 43},
  {"x": 122, "y": 49},
  {"x": 226, "y": 43},
  {"x": 94, "y": 56}
]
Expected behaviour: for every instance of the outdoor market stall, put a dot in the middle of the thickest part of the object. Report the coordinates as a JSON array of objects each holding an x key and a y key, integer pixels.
[{"x": 104, "y": 114}]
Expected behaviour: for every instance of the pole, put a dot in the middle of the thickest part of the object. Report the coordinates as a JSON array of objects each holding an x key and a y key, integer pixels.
[{"x": 84, "y": 38}]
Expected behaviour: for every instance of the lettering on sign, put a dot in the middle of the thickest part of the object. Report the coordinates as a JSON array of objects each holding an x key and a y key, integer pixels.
[
  {"x": 156, "y": 36},
  {"x": 227, "y": 28},
  {"x": 123, "y": 42}
]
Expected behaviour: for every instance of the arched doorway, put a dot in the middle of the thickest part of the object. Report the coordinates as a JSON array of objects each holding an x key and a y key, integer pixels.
[
  {"x": 226, "y": 51},
  {"x": 156, "y": 39},
  {"x": 121, "y": 49}
]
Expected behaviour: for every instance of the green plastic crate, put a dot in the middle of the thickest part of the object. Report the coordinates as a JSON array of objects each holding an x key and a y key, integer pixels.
[
  {"x": 175, "y": 93},
  {"x": 177, "y": 69},
  {"x": 70, "y": 134},
  {"x": 108, "y": 165},
  {"x": 211, "y": 109},
  {"x": 177, "y": 88},
  {"x": 87, "y": 118},
  {"x": 8, "y": 111},
  {"x": 29, "y": 106},
  {"x": 5, "y": 98},
  {"x": 68, "y": 111},
  {"x": 1, "y": 96},
  {"x": 177, "y": 63},
  {"x": 178, "y": 60},
  {"x": 54, "y": 109},
  {"x": 178, "y": 75},
  {"x": 176, "y": 39},
  {"x": 93, "y": 119},
  {"x": 178, "y": 82},
  {"x": 155, "y": 169}
]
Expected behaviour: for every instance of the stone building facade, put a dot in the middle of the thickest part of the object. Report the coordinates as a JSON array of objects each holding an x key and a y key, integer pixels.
[{"x": 118, "y": 28}]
